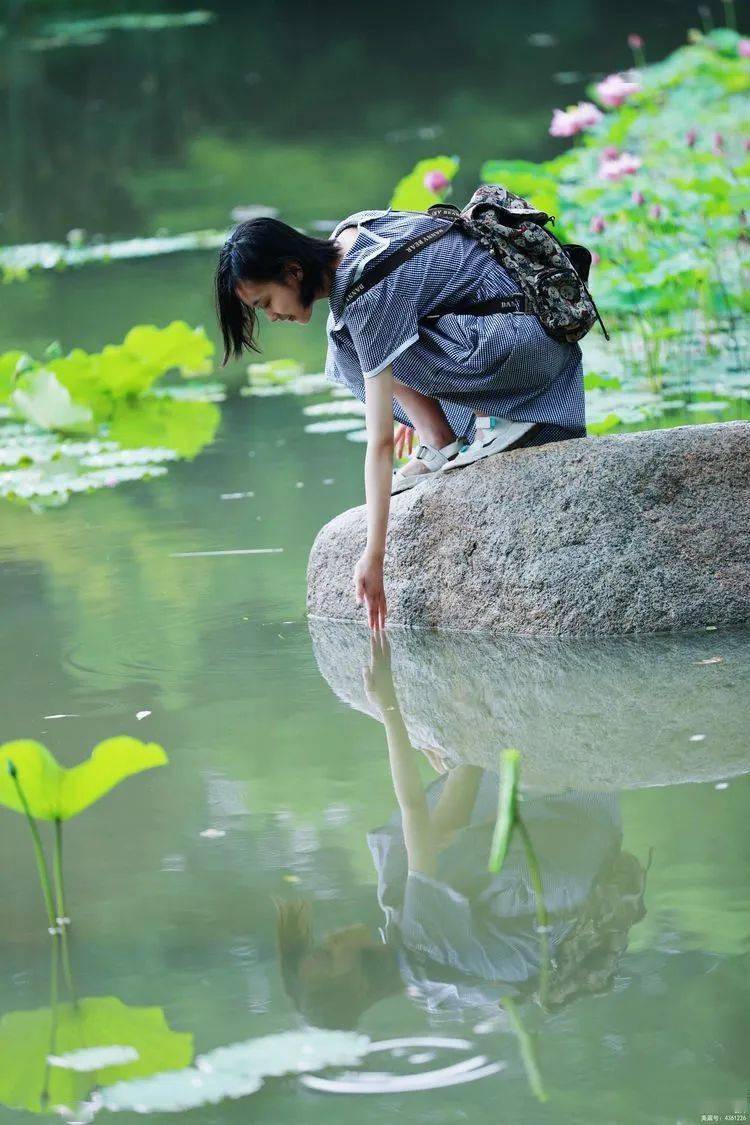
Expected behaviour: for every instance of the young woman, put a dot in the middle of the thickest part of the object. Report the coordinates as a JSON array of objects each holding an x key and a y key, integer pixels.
[{"x": 470, "y": 385}]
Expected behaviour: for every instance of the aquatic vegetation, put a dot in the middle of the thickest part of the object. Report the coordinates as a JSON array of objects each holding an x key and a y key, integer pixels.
[
  {"x": 658, "y": 180},
  {"x": 56, "y": 1056},
  {"x": 231, "y": 1072},
  {"x": 427, "y": 183},
  {"x": 506, "y": 810},
  {"x": 281, "y": 377},
  {"x": 16, "y": 261},
  {"x": 508, "y": 820},
  {"x": 655, "y": 185},
  {"x": 54, "y": 792},
  {"x": 46, "y": 391},
  {"x": 33, "y": 783},
  {"x": 84, "y": 421}
]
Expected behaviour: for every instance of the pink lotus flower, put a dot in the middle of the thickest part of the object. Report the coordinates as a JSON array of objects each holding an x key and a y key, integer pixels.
[
  {"x": 630, "y": 163},
  {"x": 718, "y": 144},
  {"x": 655, "y": 211},
  {"x": 743, "y": 48},
  {"x": 610, "y": 152},
  {"x": 638, "y": 198},
  {"x": 616, "y": 89},
  {"x": 595, "y": 259},
  {"x": 635, "y": 42},
  {"x": 620, "y": 166},
  {"x": 746, "y": 145},
  {"x": 597, "y": 224},
  {"x": 563, "y": 124},
  {"x": 691, "y": 137},
  {"x": 587, "y": 114},
  {"x": 436, "y": 181},
  {"x": 574, "y": 119}
]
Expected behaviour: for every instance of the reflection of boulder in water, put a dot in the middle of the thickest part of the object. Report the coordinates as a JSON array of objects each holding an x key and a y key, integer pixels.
[{"x": 614, "y": 713}]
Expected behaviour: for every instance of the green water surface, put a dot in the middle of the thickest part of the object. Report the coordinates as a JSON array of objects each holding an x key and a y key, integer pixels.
[{"x": 273, "y": 741}]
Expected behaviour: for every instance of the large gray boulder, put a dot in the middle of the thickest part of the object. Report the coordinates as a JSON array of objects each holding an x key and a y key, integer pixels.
[
  {"x": 643, "y": 532},
  {"x": 608, "y": 713}
]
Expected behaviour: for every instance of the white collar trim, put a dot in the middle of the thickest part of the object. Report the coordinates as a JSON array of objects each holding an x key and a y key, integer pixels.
[{"x": 380, "y": 244}]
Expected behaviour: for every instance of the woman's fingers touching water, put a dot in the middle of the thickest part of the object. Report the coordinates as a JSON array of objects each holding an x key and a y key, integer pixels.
[{"x": 369, "y": 590}]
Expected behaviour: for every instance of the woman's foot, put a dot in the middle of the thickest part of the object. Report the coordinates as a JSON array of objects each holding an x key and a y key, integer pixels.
[
  {"x": 492, "y": 435},
  {"x": 428, "y": 460},
  {"x": 438, "y": 439}
]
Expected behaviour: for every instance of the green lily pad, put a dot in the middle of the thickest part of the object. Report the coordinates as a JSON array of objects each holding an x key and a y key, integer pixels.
[
  {"x": 236, "y": 1071},
  {"x": 56, "y": 793},
  {"x": 29, "y": 1082}
]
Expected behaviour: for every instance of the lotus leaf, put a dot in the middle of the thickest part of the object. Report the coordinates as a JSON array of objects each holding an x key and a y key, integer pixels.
[
  {"x": 183, "y": 426},
  {"x": 8, "y": 363},
  {"x": 275, "y": 371},
  {"x": 178, "y": 346},
  {"x": 237, "y": 1070},
  {"x": 56, "y": 793},
  {"x": 27, "y": 1038},
  {"x": 411, "y": 193},
  {"x": 42, "y": 399}
]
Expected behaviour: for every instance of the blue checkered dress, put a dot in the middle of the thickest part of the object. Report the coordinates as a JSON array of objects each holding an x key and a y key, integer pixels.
[{"x": 503, "y": 364}]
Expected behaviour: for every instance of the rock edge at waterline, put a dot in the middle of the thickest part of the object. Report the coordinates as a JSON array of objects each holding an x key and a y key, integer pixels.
[{"x": 642, "y": 532}]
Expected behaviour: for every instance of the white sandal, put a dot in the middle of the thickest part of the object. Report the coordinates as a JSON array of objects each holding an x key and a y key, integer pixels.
[
  {"x": 432, "y": 458},
  {"x": 492, "y": 435}
]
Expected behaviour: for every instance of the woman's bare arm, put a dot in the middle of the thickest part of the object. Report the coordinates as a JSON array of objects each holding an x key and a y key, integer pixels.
[
  {"x": 407, "y": 784},
  {"x": 368, "y": 575}
]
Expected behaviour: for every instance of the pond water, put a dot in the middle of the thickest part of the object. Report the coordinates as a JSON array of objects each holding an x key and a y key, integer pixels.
[
  {"x": 281, "y": 783},
  {"x": 273, "y": 752}
]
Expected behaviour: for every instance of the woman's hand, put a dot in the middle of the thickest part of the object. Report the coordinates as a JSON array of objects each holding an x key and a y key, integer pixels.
[
  {"x": 378, "y": 678},
  {"x": 368, "y": 588},
  {"x": 403, "y": 437}
]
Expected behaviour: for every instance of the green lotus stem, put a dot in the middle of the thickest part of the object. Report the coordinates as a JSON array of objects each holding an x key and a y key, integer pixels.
[
  {"x": 730, "y": 15},
  {"x": 53, "y": 975},
  {"x": 40, "y": 861},
  {"x": 506, "y": 810},
  {"x": 58, "y": 874},
  {"x": 539, "y": 907},
  {"x": 60, "y": 907},
  {"x": 528, "y": 1051},
  {"x": 706, "y": 18}
]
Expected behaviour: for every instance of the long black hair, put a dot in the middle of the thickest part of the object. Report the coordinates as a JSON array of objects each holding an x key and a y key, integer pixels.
[{"x": 263, "y": 250}]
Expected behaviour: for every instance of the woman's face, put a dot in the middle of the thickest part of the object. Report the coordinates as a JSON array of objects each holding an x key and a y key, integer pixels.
[{"x": 279, "y": 300}]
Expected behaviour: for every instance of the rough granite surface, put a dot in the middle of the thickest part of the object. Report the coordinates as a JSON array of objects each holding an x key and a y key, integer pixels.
[
  {"x": 642, "y": 532},
  {"x": 608, "y": 713}
]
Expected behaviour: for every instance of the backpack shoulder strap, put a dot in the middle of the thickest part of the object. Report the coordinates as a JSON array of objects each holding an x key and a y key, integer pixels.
[{"x": 392, "y": 261}]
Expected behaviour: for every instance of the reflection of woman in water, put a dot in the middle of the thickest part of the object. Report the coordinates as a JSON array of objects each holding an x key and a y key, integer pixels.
[{"x": 455, "y": 935}]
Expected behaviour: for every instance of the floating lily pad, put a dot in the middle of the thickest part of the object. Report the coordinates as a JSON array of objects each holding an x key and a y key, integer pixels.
[
  {"x": 234, "y": 1071},
  {"x": 99, "y": 1023}
]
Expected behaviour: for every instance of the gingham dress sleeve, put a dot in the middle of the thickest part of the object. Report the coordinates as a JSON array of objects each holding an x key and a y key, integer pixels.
[{"x": 383, "y": 322}]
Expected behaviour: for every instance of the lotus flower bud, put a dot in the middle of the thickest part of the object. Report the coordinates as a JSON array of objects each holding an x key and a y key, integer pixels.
[{"x": 436, "y": 181}]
